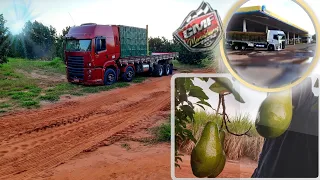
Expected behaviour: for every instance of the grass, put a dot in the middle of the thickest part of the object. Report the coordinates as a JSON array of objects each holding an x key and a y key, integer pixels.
[
  {"x": 235, "y": 147},
  {"x": 163, "y": 132},
  {"x": 188, "y": 68},
  {"x": 126, "y": 146},
  {"x": 18, "y": 89}
]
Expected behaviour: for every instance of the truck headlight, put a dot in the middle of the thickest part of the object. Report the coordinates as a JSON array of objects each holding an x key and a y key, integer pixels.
[
  {"x": 89, "y": 71},
  {"x": 89, "y": 64}
]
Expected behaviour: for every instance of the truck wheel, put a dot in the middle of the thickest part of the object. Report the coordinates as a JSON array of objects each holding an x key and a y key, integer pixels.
[
  {"x": 271, "y": 48},
  {"x": 128, "y": 75},
  {"x": 235, "y": 47},
  {"x": 110, "y": 77},
  {"x": 171, "y": 69},
  {"x": 243, "y": 47},
  {"x": 158, "y": 70},
  {"x": 166, "y": 69}
]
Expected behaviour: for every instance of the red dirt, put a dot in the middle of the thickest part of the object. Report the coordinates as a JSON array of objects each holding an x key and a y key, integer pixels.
[
  {"x": 233, "y": 169},
  {"x": 36, "y": 140},
  {"x": 55, "y": 142}
]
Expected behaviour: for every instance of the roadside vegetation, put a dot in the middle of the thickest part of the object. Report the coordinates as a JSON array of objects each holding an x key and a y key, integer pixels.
[
  {"x": 25, "y": 83},
  {"x": 163, "y": 132},
  {"x": 235, "y": 147}
]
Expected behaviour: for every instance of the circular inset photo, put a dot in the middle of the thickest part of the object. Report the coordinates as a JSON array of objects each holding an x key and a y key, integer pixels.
[{"x": 270, "y": 44}]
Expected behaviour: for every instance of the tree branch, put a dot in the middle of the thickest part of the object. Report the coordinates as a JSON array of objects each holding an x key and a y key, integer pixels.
[
  {"x": 219, "y": 103},
  {"x": 225, "y": 121}
]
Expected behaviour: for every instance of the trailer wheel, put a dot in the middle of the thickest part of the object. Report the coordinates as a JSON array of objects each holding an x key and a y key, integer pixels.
[
  {"x": 158, "y": 70},
  {"x": 171, "y": 69},
  {"x": 110, "y": 76},
  {"x": 128, "y": 75},
  {"x": 243, "y": 47},
  {"x": 166, "y": 69}
]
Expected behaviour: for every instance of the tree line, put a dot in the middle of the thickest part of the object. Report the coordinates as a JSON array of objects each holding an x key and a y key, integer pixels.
[{"x": 37, "y": 41}]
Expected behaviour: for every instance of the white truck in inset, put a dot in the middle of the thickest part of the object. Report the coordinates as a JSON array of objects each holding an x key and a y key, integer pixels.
[{"x": 273, "y": 40}]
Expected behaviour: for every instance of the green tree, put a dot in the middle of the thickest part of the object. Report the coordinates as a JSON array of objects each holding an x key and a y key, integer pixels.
[
  {"x": 4, "y": 40},
  {"x": 36, "y": 41},
  {"x": 188, "y": 57},
  {"x": 60, "y": 42}
]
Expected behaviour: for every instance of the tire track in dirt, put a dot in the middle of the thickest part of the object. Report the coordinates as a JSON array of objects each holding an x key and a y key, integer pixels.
[
  {"x": 34, "y": 141},
  {"x": 32, "y": 119}
]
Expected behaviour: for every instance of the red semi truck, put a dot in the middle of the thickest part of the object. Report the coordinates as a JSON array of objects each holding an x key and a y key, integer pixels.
[{"x": 102, "y": 54}]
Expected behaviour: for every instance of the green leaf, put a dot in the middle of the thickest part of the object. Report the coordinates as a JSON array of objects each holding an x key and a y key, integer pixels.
[
  {"x": 188, "y": 133},
  {"x": 205, "y": 79},
  {"x": 188, "y": 83},
  {"x": 179, "y": 159},
  {"x": 226, "y": 83},
  {"x": 205, "y": 103},
  {"x": 190, "y": 104},
  {"x": 216, "y": 87},
  {"x": 183, "y": 97},
  {"x": 200, "y": 106},
  {"x": 188, "y": 111},
  {"x": 197, "y": 92},
  {"x": 316, "y": 85},
  {"x": 177, "y": 165}
]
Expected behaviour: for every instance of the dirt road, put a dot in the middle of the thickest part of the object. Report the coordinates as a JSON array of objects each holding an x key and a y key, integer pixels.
[{"x": 36, "y": 140}]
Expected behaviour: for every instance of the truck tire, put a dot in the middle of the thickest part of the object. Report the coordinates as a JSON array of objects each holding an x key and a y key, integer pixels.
[
  {"x": 271, "y": 47},
  {"x": 110, "y": 76},
  {"x": 171, "y": 69},
  {"x": 243, "y": 47},
  {"x": 158, "y": 70},
  {"x": 235, "y": 47},
  {"x": 166, "y": 69},
  {"x": 128, "y": 75}
]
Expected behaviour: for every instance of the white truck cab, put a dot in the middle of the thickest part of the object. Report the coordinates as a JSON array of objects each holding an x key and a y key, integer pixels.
[{"x": 276, "y": 40}]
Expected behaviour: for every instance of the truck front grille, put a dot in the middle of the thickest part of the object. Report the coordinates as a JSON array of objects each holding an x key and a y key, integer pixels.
[{"x": 75, "y": 66}]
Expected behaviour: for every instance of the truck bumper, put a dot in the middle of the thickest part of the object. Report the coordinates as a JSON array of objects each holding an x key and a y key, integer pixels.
[{"x": 91, "y": 76}]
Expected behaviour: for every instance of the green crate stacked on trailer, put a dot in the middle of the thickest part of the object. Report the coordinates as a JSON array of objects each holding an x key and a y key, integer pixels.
[
  {"x": 247, "y": 36},
  {"x": 133, "y": 41}
]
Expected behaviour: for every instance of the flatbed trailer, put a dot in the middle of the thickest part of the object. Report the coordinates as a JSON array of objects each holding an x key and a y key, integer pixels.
[{"x": 273, "y": 40}]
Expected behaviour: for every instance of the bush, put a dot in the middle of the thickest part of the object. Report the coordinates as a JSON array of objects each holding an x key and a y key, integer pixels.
[{"x": 163, "y": 132}]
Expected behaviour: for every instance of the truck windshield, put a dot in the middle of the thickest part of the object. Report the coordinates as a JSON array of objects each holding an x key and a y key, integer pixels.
[
  {"x": 281, "y": 36},
  {"x": 78, "y": 45}
]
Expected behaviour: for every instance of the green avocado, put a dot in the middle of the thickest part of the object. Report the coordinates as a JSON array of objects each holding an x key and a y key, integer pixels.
[
  {"x": 220, "y": 167},
  {"x": 208, "y": 152},
  {"x": 275, "y": 114},
  {"x": 222, "y": 163}
]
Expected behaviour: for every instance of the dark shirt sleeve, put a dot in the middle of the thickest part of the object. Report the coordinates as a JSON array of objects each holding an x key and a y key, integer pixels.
[{"x": 295, "y": 153}]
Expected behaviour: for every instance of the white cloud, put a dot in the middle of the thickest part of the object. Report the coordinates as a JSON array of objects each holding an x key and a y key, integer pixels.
[{"x": 163, "y": 17}]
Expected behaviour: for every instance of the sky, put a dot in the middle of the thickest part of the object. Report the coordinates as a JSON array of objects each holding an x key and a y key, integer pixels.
[{"x": 163, "y": 17}]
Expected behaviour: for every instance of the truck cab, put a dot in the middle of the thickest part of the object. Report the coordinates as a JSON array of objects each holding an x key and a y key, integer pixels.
[
  {"x": 276, "y": 40},
  {"x": 89, "y": 49}
]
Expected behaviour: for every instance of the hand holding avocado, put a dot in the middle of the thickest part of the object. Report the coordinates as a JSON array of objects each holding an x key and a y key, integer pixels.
[{"x": 275, "y": 114}]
